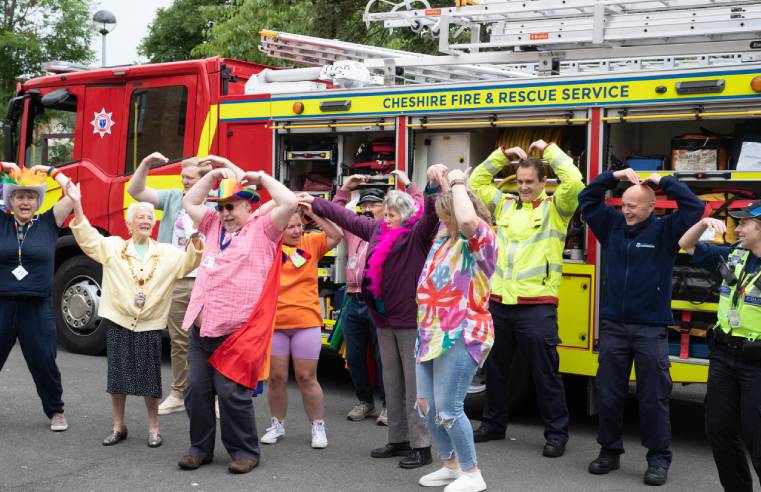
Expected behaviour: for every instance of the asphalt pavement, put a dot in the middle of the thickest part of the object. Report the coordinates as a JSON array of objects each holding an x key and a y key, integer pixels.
[{"x": 32, "y": 458}]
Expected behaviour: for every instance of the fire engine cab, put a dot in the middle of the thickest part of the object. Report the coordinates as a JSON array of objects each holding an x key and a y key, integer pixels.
[{"x": 672, "y": 87}]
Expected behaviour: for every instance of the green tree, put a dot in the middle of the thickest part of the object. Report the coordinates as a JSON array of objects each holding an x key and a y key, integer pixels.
[
  {"x": 233, "y": 30},
  {"x": 176, "y": 30},
  {"x": 33, "y": 32}
]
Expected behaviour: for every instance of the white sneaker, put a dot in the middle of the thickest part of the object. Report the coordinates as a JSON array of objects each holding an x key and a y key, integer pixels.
[
  {"x": 361, "y": 411},
  {"x": 58, "y": 423},
  {"x": 382, "y": 418},
  {"x": 171, "y": 404},
  {"x": 468, "y": 482},
  {"x": 275, "y": 432},
  {"x": 439, "y": 478},
  {"x": 319, "y": 439}
]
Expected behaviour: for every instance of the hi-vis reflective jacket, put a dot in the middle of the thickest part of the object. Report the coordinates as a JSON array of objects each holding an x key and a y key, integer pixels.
[
  {"x": 531, "y": 236},
  {"x": 746, "y": 303}
]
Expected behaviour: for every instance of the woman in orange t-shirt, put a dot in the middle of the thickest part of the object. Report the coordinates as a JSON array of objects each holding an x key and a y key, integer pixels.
[{"x": 298, "y": 325}]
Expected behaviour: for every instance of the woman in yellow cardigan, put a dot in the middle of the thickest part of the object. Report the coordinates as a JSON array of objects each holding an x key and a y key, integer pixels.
[{"x": 138, "y": 276}]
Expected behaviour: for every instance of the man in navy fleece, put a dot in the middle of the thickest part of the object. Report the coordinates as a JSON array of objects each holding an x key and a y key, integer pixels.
[{"x": 639, "y": 251}]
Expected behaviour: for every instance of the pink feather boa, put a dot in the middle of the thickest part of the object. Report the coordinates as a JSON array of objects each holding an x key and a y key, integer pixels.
[{"x": 387, "y": 239}]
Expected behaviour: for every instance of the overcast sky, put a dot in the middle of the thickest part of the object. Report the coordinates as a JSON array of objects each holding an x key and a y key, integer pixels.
[{"x": 132, "y": 19}]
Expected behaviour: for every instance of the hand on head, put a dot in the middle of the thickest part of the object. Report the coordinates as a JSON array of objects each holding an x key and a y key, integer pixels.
[
  {"x": 539, "y": 145},
  {"x": 437, "y": 176},
  {"x": 351, "y": 182},
  {"x": 250, "y": 178},
  {"x": 10, "y": 166},
  {"x": 154, "y": 158},
  {"x": 213, "y": 161},
  {"x": 401, "y": 176},
  {"x": 515, "y": 153},
  {"x": 627, "y": 174}
]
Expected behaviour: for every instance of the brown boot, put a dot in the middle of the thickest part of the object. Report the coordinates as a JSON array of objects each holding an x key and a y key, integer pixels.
[
  {"x": 242, "y": 466},
  {"x": 189, "y": 462}
]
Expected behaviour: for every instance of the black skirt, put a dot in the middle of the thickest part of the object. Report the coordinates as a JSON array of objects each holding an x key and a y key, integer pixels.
[{"x": 134, "y": 361}]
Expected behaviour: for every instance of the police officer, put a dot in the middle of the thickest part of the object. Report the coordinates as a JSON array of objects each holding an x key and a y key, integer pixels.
[
  {"x": 733, "y": 398},
  {"x": 531, "y": 230},
  {"x": 639, "y": 252}
]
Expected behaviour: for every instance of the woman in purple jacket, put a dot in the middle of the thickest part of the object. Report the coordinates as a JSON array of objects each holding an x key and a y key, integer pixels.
[{"x": 399, "y": 245}]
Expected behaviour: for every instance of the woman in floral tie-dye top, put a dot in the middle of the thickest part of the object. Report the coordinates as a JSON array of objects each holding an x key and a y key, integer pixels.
[{"x": 455, "y": 330}]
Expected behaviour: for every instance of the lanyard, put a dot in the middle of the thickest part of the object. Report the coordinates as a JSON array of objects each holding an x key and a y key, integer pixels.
[
  {"x": 224, "y": 244},
  {"x": 22, "y": 231}
]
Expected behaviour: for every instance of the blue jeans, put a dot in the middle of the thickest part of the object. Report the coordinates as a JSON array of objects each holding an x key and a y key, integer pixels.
[
  {"x": 443, "y": 383},
  {"x": 359, "y": 331}
]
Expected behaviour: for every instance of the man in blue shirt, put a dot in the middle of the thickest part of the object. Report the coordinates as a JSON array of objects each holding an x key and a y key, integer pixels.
[
  {"x": 733, "y": 397},
  {"x": 639, "y": 249}
]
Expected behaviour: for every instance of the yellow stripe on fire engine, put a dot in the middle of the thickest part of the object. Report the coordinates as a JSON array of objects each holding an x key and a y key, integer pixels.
[
  {"x": 209, "y": 130},
  {"x": 586, "y": 92},
  {"x": 165, "y": 182}
]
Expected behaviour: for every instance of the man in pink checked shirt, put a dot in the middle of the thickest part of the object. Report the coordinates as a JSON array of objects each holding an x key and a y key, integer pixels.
[{"x": 242, "y": 247}]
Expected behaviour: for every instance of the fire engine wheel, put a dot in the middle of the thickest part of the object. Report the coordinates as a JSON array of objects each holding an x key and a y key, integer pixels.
[{"x": 76, "y": 298}]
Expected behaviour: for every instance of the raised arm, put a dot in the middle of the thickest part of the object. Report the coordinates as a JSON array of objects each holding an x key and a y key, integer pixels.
[
  {"x": 334, "y": 233},
  {"x": 194, "y": 199},
  {"x": 137, "y": 188},
  {"x": 566, "y": 196},
  {"x": 359, "y": 225},
  {"x": 690, "y": 209},
  {"x": 90, "y": 241},
  {"x": 464, "y": 213},
  {"x": 63, "y": 208},
  {"x": 282, "y": 196},
  {"x": 691, "y": 238},
  {"x": 594, "y": 210},
  {"x": 481, "y": 180},
  {"x": 426, "y": 228}
]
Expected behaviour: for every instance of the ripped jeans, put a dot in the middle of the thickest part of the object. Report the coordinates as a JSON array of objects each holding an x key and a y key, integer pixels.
[{"x": 443, "y": 383}]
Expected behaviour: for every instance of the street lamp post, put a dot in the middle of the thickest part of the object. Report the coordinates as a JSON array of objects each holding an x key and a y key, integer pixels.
[{"x": 105, "y": 22}]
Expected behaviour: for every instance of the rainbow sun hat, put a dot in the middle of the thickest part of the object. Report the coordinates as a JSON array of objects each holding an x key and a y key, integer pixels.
[
  {"x": 229, "y": 188},
  {"x": 23, "y": 179}
]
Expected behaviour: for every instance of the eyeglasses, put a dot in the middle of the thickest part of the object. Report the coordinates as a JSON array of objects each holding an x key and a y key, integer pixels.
[{"x": 225, "y": 206}]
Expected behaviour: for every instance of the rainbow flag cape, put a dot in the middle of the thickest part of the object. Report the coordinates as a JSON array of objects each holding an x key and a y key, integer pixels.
[{"x": 245, "y": 356}]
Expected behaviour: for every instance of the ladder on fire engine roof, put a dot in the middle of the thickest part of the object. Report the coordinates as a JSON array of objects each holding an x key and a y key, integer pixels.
[
  {"x": 313, "y": 51},
  {"x": 568, "y": 36}
]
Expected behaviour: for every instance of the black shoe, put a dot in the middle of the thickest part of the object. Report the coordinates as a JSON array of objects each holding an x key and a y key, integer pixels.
[
  {"x": 553, "y": 449},
  {"x": 391, "y": 449},
  {"x": 483, "y": 434},
  {"x": 418, "y": 457},
  {"x": 606, "y": 462},
  {"x": 656, "y": 475}
]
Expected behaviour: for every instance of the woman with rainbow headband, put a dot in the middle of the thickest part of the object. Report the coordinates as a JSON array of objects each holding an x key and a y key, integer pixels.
[
  {"x": 398, "y": 246},
  {"x": 27, "y": 254}
]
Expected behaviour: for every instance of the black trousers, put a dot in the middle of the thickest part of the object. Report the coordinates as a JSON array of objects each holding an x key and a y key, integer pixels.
[
  {"x": 647, "y": 347},
  {"x": 733, "y": 416},
  {"x": 236, "y": 409},
  {"x": 532, "y": 329},
  {"x": 31, "y": 321}
]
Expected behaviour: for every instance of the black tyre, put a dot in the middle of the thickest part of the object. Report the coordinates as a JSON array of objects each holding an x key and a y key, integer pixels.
[{"x": 76, "y": 297}]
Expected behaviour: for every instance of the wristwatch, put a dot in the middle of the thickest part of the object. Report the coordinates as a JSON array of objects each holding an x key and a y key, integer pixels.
[{"x": 457, "y": 181}]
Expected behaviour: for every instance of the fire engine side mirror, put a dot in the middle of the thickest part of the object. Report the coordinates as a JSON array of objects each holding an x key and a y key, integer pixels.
[{"x": 55, "y": 99}]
